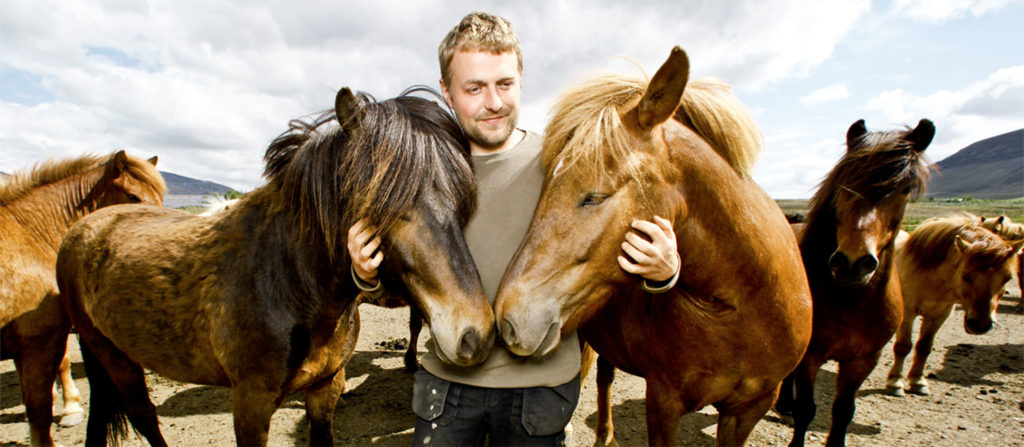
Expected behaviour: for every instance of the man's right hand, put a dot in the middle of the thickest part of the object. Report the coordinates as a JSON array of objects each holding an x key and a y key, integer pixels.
[{"x": 362, "y": 248}]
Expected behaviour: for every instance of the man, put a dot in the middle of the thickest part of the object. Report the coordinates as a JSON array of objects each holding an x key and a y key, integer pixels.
[{"x": 508, "y": 399}]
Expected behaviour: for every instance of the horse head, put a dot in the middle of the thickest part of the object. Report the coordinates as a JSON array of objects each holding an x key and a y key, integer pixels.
[
  {"x": 869, "y": 188},
  {"x": 127, "y": 179},
  {"x": 986, "y": 263},
  {"x": 420, "y": 195}
]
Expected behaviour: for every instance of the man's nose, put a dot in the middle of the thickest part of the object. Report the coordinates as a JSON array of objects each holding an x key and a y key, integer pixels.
[{"x": 493, "y": 101}]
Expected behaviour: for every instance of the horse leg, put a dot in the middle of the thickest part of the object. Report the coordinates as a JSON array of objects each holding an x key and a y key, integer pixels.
[
  {"x": 784, "y": 404},
  {"x": 253, "y": 405},
  {"x": 736, "y": 423},
  {"x": 37, "y": 370},
  {"x": 321, "y": 400},
  {"x": 605, "y": 428},
  {"x": 73, "y": 413},
  {"x": 929, "y": 328},
  {"x": 415, "y": 326},
  {"x": 851, "y": 376},
  {"x": 901, "y": 347},
  {"x": 804, "y": 408},
  {"x": 117, "y": 386},
  {"x": 664, "y": 408}
]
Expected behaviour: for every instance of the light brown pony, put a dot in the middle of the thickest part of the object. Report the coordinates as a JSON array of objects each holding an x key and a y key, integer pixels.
[
  {"x": 944, "y": 262},
  {"x": 739, "y": 318},
  {"x": 37, "y": 206},
  {"x": 847, "y": 248},
  {"x": 260, "y": 298}
]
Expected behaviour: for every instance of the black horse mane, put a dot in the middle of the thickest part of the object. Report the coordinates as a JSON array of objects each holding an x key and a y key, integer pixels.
[{"x": 332, "y": 174}]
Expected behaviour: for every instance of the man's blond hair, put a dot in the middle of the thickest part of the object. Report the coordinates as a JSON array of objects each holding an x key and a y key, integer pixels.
[{"x": 478, "y": 31}]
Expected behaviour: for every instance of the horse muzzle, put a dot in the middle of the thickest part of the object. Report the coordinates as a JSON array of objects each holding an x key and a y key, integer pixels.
[
  {"x": 852, "y": 274},
  {"x": 532, "y": 339}
]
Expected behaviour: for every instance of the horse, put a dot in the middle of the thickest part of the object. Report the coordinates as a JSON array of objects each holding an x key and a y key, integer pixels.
[
  {"x": 737, "y": 322},
  {"x": 847, "y": 245},
  {"x": 260, "y": 298},
  {"x": 37, "y": 206},
  {"x": 1009, "y": 230},
  {"x": 944, "y": 262}
]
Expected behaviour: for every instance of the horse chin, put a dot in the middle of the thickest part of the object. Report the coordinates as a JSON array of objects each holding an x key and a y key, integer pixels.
[
  {"x": 977, "y": 326},
  {"x": 852, "y": 281}
]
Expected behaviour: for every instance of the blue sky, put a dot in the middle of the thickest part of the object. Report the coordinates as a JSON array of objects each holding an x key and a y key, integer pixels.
[{"x": 205, "y": 85}]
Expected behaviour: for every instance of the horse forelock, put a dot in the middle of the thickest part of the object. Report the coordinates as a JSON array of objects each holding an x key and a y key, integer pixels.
[
  {"x": 586, "y": 130},
  {"x": 333, "y": 177},
  {"x": 882, "y": 164},
  {"x": 54, "y": 170}
]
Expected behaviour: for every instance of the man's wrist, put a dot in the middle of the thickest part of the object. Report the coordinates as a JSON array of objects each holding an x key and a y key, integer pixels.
[
  {"x": 661, "y": 286},
  {"x": 366, "y": 286}
]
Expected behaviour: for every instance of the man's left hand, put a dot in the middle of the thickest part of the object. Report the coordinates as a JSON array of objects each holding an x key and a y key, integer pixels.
[{"x": 657, "y": 260}]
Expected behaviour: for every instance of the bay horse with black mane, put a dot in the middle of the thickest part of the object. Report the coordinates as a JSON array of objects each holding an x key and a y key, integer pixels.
[
  {"x": 621, "y": 148},
  {"x": 847, "y": 248},
  {"x": 37, "y": 206},
  {"x": 260, "y": 298}
]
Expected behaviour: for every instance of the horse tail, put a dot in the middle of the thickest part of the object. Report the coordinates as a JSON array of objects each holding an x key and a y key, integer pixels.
[
  {"x": 108, "y": 416},
  {"x": 718, "y": 116}
]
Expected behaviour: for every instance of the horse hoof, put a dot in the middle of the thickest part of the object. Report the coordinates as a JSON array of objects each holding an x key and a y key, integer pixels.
[
  {"x": 895, "y": 391},
  {"x": 70, "y": 420},
  {"x": 920, "y": 389}
]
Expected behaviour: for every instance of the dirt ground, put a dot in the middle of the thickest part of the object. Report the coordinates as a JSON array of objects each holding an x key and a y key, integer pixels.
[{"x": 977, "y": 399}]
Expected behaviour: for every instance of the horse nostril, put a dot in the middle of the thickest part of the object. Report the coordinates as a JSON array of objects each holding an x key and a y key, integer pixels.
[
  {"x": 469, "y": 344},
  {"x": 508, "y": 332},
  {"x": 867, "y": 264},
  {"x": 838, "y": 262}
]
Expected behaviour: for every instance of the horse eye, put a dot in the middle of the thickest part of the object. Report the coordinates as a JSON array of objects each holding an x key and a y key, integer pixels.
[
  {"x": 592, "y": 199},
  {"x": 967, "y": 279},
  {"x": 133, "y": 198}
]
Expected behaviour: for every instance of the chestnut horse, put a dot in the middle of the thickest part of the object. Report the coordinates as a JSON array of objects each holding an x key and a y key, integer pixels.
[
  {"x": 737, "y": 322},
  {"x": 947, "y": 261},
  {"x": 37, "y": 207},
  {"x": 847, "y": 248},
  {"x": 1009, "y": 231},
  {"x": 260, "y": 298}
]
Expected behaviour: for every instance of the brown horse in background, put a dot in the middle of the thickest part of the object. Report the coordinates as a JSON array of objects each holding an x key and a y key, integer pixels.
[
  {"x": 847, "y": 248},
  {"x": 37, "y": 206},
  {"x": 621, "y": 148},
  {"x": 1009, "y": 231},
  {"x": 944, "y": 262},
  {"x": 260, "y": 298}
]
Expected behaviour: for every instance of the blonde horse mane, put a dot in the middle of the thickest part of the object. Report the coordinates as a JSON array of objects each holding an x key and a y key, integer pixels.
[
  {"x": 54, "y": 170},
  {"x": 586, "y": 128},
  {"x": 930, "y": 244}
]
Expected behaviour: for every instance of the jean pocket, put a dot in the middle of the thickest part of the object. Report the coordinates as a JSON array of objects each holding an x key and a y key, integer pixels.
[
  {"x": 546, "y": 411},
  {"x": 429, "y": 394}
]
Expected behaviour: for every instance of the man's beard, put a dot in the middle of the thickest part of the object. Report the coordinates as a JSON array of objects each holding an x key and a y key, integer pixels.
[{"x": 490, "y": 140}]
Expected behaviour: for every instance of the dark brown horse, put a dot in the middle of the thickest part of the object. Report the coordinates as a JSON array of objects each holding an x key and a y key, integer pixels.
[
  {"x": 947, "y": 261},
  {"x": 260, "y": 298},
  {"x": 847, "y": 247},
  {"x": 738, "y": 320},
  {"x": 37, "y": 206}
]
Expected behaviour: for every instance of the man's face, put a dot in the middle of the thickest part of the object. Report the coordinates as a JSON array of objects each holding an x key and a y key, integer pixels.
[{"x": 484, "y": 92}]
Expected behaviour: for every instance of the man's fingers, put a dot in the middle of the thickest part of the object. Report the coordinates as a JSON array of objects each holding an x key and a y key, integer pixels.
[
  {"x": 370, "y": 247},
  {"x": 641, "y": 243},
  {"x": 376, "y": 260},
  {"x": 638, "y": 256},
  {"x": 628, "y": 266},
  {"x": 665, "y": 225}
]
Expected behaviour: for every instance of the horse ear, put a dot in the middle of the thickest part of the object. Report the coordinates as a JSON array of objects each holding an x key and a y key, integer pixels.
[
  {"x": 961, "y": 244},
  {"x": 922, "y": 135},
  {"x": 665, "y": 92},
  {"x": 998, "y": 227},
  {"x": 118, "y": 163},
  {"x": 346, "y": 107},
  {"x": 152, "y": 160},
  {"x": 1017, "y": 245},
  {"x": 854, "y": 134}
]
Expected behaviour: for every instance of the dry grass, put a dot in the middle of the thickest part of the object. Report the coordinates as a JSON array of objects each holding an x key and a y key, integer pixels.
[{"x": 924, "y": 209}]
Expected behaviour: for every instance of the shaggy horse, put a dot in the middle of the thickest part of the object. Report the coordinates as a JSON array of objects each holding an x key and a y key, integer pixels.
[
  {"x": 260, "y": 298},
  {"x": 621, "y": 148},
  {"x": 1009, "y": 231},
  {"x": 847, "y": 248},
  {"x": 37, "y": 207},
  {"x": 944, "y": 262}
]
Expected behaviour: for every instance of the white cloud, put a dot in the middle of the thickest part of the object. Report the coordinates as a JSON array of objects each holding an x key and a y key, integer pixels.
[
  {"x": 980, "y": 110},
  {"x": 826, "y": 94},
  {"x": 938, "y": 11}
]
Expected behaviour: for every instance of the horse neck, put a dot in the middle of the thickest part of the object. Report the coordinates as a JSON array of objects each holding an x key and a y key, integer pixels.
[{"x": 48, "y": 211}]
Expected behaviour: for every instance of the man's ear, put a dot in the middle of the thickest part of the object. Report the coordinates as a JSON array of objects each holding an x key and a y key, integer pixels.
[{"x": 445, "y": 93}]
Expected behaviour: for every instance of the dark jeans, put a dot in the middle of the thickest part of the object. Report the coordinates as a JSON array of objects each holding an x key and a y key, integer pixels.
[{"x": 453, "y": 414}]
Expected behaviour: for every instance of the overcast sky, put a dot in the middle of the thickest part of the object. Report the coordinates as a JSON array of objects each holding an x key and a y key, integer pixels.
[{"x": 205, "y": 85}]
